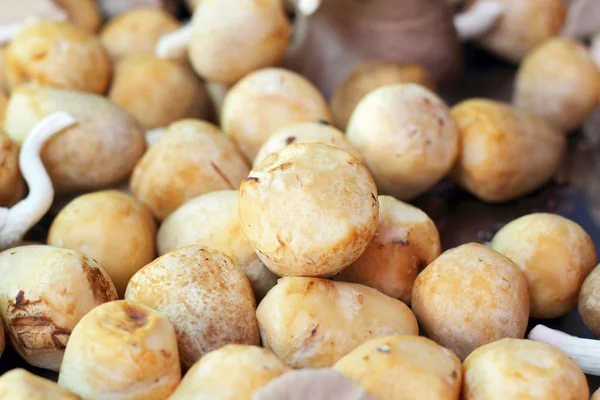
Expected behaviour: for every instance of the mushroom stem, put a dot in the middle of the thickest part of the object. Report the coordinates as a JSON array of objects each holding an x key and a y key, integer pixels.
[
  {"x": 595, "y": 49},
  {"x": 585, "y": 352},
  {"x": 16, "y": 221},
  {"x": 173, "y": 45},
  {"x": 478, "y": 19}
]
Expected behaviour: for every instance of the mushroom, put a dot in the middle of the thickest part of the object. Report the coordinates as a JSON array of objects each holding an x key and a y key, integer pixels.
[
  {"x": 208, "y": 299},
  {"x": 213, "y": 220},
  {"x": 12, "y": 186},
  {"x": 470, "y": 296},
  {"x": 122, "y": 350},
  {"x": 82, "y": 158},
  {"x": 589, "y": 302},
  {"x": 554, "y": 253},
  {"x": 84, "y": 13},
  {"x": 314, "y": 384},
  {"x": 57, "y": 54},
  {"x": 137, "y": 30},
  {"x": 88, "y": 225},
  {"x": 44, "y": 293},
  {"x": 520, "y": 369},
  {"x": 233, "y": 372},
  {"x": 21, "y": 384},
  {"x": 407, "y": 137},
  {"x": 312, "y": 323},
  {"x": 309, "y": 210},
  {"x": 114, "y": 8},
  {"x": 17, "y": 220},
  {"x": 192, "y": 158}
]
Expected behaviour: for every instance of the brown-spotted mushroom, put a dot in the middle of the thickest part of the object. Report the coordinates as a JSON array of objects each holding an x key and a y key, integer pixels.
[
  {"x": 44, "y": 293},
  {"x": 204, "y": 294},
  {"x": 19, "y": 384}
]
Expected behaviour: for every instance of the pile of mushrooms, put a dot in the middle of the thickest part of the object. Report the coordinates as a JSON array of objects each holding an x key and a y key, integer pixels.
[{"x": 229, "y": 200}]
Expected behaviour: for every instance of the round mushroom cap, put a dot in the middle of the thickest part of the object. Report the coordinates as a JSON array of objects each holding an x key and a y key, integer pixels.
[
  {"x": 213, "y": 220},
  {"x": 520, "y": 369},
  {"x": 589, "y": 302},
  {"x": 559, "y": 81},
  {"x": 21, "y": 384},
  {"x": 137, "y": 30},
  {"x": 309, "y": 210},
  {"x": 255, "y": 34},
  {"x": 111, "y": 227},
  {"x": 57, "y": 54},
  {"x": 555, "y": 254},
  {"x": 368, "y": 76},
  {"x": 84, "y": 13},
  {"x": 208, "y": 299},
  {"x": 266, "y": 101},
  {"x": 407, "y": 137},
  {"x": 306, "y": 132},
  {"x": 12, "y": 186},
  {"x": 232, "y": 372},
  {"x": 470, "y": 296},
  {"x": 81, "y": 157},
  {"x": 192, "y": 158},
  {"x": 44, "y": 292},
  {"x": 122, "y": 349},
  {"x": 406, "y": 242},
  {"x": 158, "y": 92},
  {"x": 389, "y": 367}
]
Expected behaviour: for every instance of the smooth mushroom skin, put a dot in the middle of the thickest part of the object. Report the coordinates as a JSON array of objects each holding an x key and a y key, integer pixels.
[
  {"x": 554, "y": 253},
  {"x": 589, "y": 302},
  {"x": 326, "y": 54},
  {"x": 266, "y": 101},
  {"x": 111, "y": 227},
  {"x": 158, "y": 92},
  {"x": 505, "y": 152},
  {"x": 596, "y": 395},
  {"x": 469, "y": 296},
  {"x": 84, "y": 13},
  {"x": 213, "y": 220},
  {"x": 21, "y": 384},
  {"x": 312, "y": 323},
  {"x": 82, "y": 157},
  {"x": 208, "y": 299},
  {"x": 368, "y": 76},
  {"x": 44, "y": 293},
  {"x": 192, "y": 158},
  {"x": 406, "y": 241},
  {"x": 255, "y": 35},
  {"x": 522, "y": 369},
  {"x": 389, "y": 367},
  {"x": 232, "y": 372},
  {"x": 57, "y": 54},
  {"x": 3, "y": 103},
  {"x": 122, "y": 350},
  {"x": 574, "y": 91},
  {"x": 137, "y": 31},
  {"x": 523, "y": 26},
  {"x": 309, "y": 210},
  {"x": 407, "y": 137},
  {"x": 306, "y": 132},
  {"x": 12, "y": 186}
]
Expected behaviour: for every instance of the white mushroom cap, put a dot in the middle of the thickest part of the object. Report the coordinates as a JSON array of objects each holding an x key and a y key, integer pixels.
[{"x": 19, "y": 384}]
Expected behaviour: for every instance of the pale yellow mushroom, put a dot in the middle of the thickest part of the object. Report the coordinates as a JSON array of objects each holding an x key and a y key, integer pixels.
[{"x": 19, "y": 384}]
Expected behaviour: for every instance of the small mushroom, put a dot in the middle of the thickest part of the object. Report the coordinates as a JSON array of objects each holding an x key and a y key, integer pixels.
[
  {"x": 407, "y": 137},
  {"x": 44, "y": 293},
  {"x": 554, "y": 253},
  {"x": 192, "y": 158},
  {"x": 589, "y": 302},
  {"x": 17, "y": 220},
  {"x": 57, "y": 54},
  {"x": 122, "y": 350},
  {"x": 469, "y": 296},
  {"x": 521, "y": 369},
  {"x": 312, "y": 323},
  {"x": 84, "y": 13},
  {"x": 88, "y": 224},
  {"x": 213, "y": 220},
  {"x": 208, "y": 299},
  {"x": 21, "y": 384},
  {"x": 309, "y": 210},
  {"x": 268, "y": 100},
  {"x": 233, "y": 372},
  {"x": 12, "y": 186},
  {"x": 314, "y": 384}
]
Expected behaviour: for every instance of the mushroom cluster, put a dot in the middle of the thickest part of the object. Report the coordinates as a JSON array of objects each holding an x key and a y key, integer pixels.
[{"x": 226, "y": 188}]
